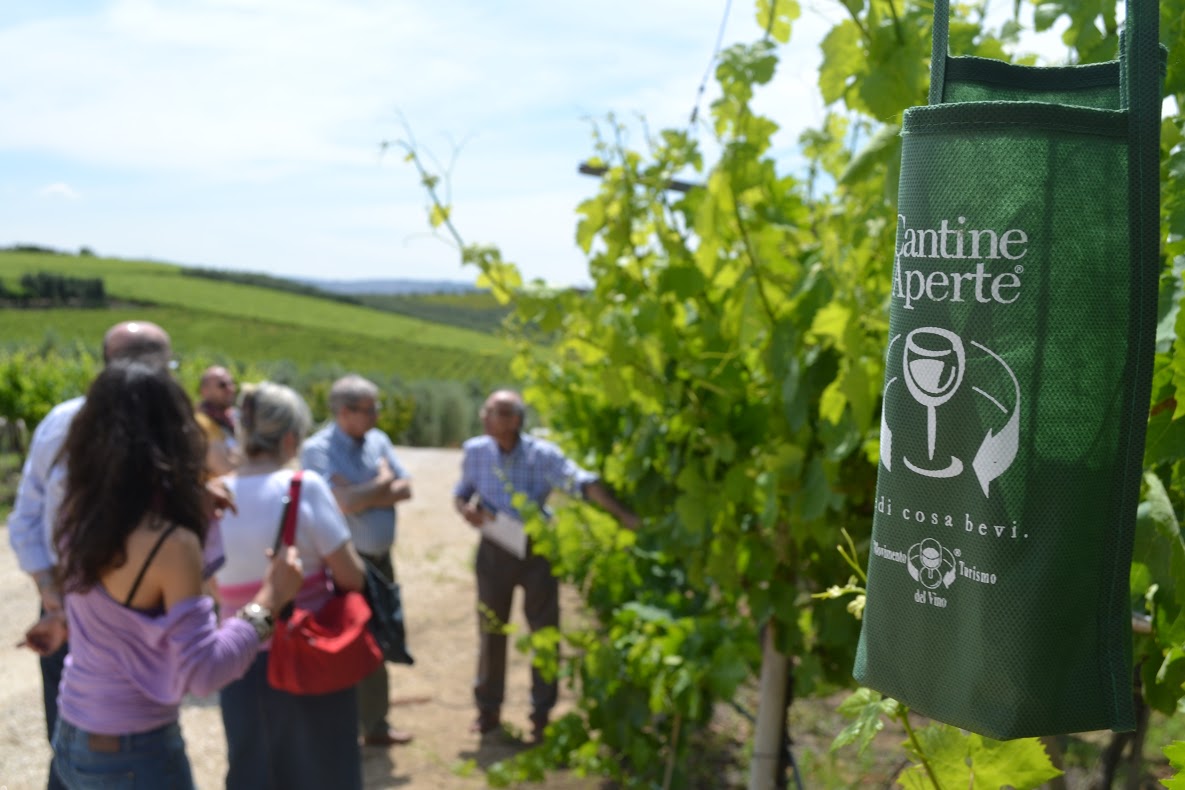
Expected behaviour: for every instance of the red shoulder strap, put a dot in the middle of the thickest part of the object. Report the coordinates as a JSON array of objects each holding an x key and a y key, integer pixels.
[{"x": 288, "y": 525}]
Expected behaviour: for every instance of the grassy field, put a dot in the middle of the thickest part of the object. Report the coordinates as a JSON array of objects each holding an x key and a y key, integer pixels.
[
  {"x": 478, "y": 311},
  {"x": 252, "y": 324}
]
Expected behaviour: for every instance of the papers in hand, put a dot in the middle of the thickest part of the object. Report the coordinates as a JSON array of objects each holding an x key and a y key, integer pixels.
[{"x": 507, "y": 531}]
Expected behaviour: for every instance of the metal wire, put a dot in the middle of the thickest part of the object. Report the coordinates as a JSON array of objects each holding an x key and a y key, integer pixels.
[{"x": 703, "y": 84}]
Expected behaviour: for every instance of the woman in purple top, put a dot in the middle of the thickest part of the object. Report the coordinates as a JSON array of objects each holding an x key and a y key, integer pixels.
[{"x": 142, "y": 635}]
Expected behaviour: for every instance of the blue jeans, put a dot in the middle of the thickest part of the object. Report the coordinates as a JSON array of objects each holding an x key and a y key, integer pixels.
[
  {"x": 153, "y": 760},
  {"x": 288, "y": 741}
]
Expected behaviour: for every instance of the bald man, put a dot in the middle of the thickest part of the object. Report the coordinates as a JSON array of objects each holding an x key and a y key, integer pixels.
[{"x": 30, "y": 525}]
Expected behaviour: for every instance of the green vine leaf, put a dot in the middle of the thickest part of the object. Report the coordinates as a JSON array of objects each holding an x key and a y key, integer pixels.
[
  {"x": 900, "y": 77},
  {"x": 438, "y": 215},
  {"x": 777, "y": 16},
  {"x": 869, "y": 709},
  {"x": 1175, "y": 751},
  {"x": 844, "y": 63},
  {"x": 883, "y": 149},
  {"x": 969, "y": 760}
]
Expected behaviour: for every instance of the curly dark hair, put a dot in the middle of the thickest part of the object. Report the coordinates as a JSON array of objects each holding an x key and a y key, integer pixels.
[{"x": 133, "y": 449}]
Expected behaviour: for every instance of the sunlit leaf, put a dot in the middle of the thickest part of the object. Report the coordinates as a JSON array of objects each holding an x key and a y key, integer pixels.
[
  {"x": 438, "y": 215},
  {"x": 777, "y": 16},
  {"x": 969, "y": 760},
  {"x": 843, "y": 61}
]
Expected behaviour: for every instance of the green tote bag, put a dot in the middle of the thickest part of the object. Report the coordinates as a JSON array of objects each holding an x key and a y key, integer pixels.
[{"x": 1017, "y": 377}]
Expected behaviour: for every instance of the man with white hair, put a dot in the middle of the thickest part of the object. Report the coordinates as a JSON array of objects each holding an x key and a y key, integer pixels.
[
  {"x": 497, "y": 468},
  {"x": 31, "y": 523},
  {"x": 367, "y": 479}
]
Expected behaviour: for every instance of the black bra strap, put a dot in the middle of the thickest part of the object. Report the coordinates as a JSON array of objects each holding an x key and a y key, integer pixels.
[{"x": 140, "y": 576}]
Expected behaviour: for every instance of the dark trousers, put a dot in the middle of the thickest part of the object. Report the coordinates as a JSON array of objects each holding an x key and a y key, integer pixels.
[
  {"x": 498, "y": 573},
  {"x": 51, "y": 678},
  {"x": 374, "y": 692},
  {"x": 288, "y": 741}
]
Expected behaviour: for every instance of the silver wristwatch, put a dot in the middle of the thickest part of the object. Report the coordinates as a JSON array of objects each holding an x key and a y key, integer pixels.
[{"x": 260, "y": 618}]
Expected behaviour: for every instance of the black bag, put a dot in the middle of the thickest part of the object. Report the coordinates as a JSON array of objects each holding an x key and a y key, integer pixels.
[{"x": 386, "y": 620}]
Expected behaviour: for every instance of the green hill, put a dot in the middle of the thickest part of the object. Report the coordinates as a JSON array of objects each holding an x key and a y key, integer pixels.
[
  {"x": 252, "y": 324},
  {"x": 477, "y": 310}
]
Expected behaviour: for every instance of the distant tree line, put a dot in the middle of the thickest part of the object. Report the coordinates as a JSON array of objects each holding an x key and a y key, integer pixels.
[
  {"x": 34, "y": 248},
  {"x": 477, "y": 311},
  {"x": 470, "y": 313},
  {"x": 268, "y": 281},
  {"x": 419, "y": 413},
  {"x": 83, "y": 252},
  {"x": 43, "y": 289},
  {"x": 422, "y": 413}
]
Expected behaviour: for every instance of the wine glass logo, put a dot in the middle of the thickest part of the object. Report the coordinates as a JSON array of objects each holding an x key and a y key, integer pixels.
[
  {"x": 933, "y": 364},
  {"x": 931, "y": 564}
]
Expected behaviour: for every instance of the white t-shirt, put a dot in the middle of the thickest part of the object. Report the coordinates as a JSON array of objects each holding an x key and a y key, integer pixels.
[{"x": 246, "y": 535}]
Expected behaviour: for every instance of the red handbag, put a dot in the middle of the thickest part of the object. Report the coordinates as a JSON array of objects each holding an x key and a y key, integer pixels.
[{"x": 323, "y": 651}]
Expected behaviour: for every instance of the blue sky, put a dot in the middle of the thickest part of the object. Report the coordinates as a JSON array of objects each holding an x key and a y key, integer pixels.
[{"x": 244, "y": 134}]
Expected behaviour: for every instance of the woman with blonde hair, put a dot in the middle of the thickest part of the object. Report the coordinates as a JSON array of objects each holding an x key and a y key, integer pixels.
[{"x": 276, "y": 739}]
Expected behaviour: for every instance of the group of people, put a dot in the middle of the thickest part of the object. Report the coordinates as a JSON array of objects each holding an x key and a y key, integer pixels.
[{"x": 148, "y": 526}]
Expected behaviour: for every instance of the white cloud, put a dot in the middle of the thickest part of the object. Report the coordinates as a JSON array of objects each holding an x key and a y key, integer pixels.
[
  {"x": 245, "y": 133},
  {"x": 59, "y": 191},
  {"x": 223, "y": 88}
]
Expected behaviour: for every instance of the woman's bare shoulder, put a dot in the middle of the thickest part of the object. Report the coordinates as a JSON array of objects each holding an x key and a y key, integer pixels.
[
  {"x": 180, "y": 551},
  {"x": 152, "y": 531},
  {"x": 172, "y": 573}
]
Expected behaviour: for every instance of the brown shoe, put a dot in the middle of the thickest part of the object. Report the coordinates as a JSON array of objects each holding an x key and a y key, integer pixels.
[
  {"x": 485, "y": 723},
  {"x": 390, "y": 737}
]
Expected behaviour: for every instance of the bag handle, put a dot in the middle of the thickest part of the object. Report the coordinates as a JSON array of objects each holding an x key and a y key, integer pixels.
[
  {"x": 939, "y": 50},
  {"x": 1141, "y": 40},
  {"x": 1139, "y": 68},
  {"x": 286, "y": 535}
]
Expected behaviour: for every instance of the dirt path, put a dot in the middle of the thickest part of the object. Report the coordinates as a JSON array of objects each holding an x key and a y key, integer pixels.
[{"x": 432, "y": 699}]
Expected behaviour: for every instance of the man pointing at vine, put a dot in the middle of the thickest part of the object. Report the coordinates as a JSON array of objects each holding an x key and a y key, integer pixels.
[{"x": 497, "y": 466}]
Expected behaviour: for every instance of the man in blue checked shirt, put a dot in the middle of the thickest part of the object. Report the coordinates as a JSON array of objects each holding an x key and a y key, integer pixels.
[
  {"x": 495, "y": 467},
  {"x": 367, "y": 479}
]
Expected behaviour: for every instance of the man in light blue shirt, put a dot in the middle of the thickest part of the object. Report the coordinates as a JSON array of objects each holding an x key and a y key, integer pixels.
[
  {"x": 40, "y": 495},
  {"x": 359, "y": 462},
  {"x": 495, "y": 467}
]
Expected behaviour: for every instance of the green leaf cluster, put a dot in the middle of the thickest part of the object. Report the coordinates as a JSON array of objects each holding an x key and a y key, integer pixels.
[
  {"x": 1175, "y": 751},
  {"x": 943, "y": 756},
  {"x": 33, "y": 381},
  {"x": 958, "y": 759}
]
